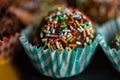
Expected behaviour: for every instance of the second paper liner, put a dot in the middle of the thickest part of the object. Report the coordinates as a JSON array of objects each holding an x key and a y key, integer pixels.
[{"x": 108, "y": 32}]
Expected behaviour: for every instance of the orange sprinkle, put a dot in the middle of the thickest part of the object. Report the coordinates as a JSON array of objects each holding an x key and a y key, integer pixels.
[
  {"x": 63, "y": 40},
  {"x": 71, "y": 17},
  {"x": 0, "y": 52},
  {"x": 5, "y": 49},
  {"x": 11, "y": 36},
  {"x": 12, "y": 45},
  {"x": 1, "y": 43},
  {"x": 6, "y": 40},
  {"x": 74, "y": 37},
  {"x": 70, "y": 22},
  {"x": 72, "y": 45}
]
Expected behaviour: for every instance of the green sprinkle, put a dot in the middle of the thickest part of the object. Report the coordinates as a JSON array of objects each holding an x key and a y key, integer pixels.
[
  {"x": 69, "y": 38},
  {"x": 57, "y": 18},
  {"x": 118, "y": 47},
  {"x": 42, "y": 30},
  {"x": 79, "y": 30},
  {"x": 63, "y": 26},
  {"x": 116, "y": 37},
  {"x": 46, "y": 18},
  {"x": 61, "y": 18},
  {"x": 62, "y": 10}
]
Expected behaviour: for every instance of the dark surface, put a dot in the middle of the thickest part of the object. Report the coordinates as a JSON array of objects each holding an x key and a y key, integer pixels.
[{"x": 99, "y": 69}]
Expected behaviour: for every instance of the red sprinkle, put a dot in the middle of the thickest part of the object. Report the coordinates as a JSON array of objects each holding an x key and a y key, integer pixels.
[
  {"x": 75, "y": 32},
  {"x": 81, "y": 20},
  {"x": 54, "y": 41},
  {"x": 55, "y": 25},
  {"x": 84, "y": 33}
]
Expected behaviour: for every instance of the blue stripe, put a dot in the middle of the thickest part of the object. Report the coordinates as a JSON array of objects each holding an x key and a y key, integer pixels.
[
  {"x": 77, "y": 64},
  {"x": 114, "y": 55},
  {"x": 44, "y": 56},
  {"x": 51, "y": 63},
  {"x": 70, "y": 65},
  {"x": 118, "y": 63},
  {"x": 64, "y": 57},
  {"x": 87, "y": 52},
  {"x": 93, "y": 47}
]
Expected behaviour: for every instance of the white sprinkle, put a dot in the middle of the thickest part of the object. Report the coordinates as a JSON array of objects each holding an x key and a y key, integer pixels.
[
  {"x": 90, "y": 41},
  {"x": 81, "y": 28},
  {"x": 45, "y": 31},
  {"x": 45, "y": 39},
  {"x": 52, "y": 35},
  {"x": 117, "y": 43},
  {"x": 85, "y": 44},
  {"x": 48, "y": 28},
  {"x": 66, "y": 48},
  {"x": 64, "y": 37},
  {"x": 78, "y": 43},
  {"x": 53, "y": 31},
  {"x": 87, "y": 39},
  {"x": 65, "y": 33},
  {"x": 84, "y": 17},
  {"x": 88, "y": 32},
  {"x": 58, "y": 13},
  {"x": 118, "y": 39},
  {"x": 64, "y": 15},
  {"x": 61, "y": 47},
  {"x": 57, "y": 45},
  {"x": 47, "y": 35},
  {"x": 41, "y": 35},
  {"x": 50, "y": 19},
  {"x": 55, "y": 22},
  {"x": 71, "y": 28},
  {"x": 70, "y": 34},
  {"x": 76, "y": 15},
  {"x": 66, "y": 30}
]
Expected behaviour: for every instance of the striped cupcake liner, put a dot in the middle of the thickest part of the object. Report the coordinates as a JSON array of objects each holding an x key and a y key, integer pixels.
[
  {"x": 54, "y": 64},
  {"x": 7, "y": 46},
  {"x": 108, "y": 32}
]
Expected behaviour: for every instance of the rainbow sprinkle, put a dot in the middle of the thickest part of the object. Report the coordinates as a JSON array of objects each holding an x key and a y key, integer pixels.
[
  {"x": 65, "y": 28},
  {"x": 116, "y": 41}
]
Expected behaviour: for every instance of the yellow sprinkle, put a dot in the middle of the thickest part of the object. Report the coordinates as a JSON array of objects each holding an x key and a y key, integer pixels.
[
  {"x": 77, "y": 22},
  {"x": 69, "y": 49},
  {"x": 91, "y": 35},
  {"x": 48, "y": 45}
]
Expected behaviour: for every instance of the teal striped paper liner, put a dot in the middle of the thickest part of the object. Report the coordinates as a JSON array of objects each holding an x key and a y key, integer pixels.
[
  {"x": 55, "y": 64},
  {"x": 108, "y": 32}
]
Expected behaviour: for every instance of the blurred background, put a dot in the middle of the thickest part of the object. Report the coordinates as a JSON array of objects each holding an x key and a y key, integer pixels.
[{"x": 30, "y": 11}]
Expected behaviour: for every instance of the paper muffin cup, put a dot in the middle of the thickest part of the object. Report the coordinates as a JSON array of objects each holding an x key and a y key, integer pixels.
[
  {"x": 55, "y": 64},
  {"x": 108, "y": 32},
  {"x": 7, "y": 46}
]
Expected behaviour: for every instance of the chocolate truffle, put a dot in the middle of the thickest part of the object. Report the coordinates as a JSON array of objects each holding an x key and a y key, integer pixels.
[
  {"x": 99, "y": 11},
  {"x": 9, "y": 23},
  {"x": 64, "y": 28}
]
